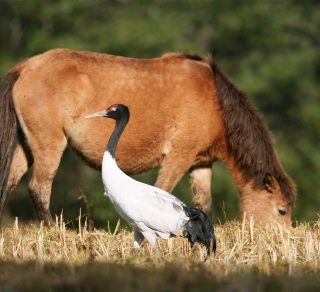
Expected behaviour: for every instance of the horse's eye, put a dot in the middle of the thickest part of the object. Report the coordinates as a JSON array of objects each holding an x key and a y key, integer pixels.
[{"x": 282, "y": 212}]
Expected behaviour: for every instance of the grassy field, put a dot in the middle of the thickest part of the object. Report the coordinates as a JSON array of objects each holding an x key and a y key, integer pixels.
[{"x": 249, "y": 257}]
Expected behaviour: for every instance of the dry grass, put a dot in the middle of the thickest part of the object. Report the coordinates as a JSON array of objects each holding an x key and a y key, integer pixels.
[{"x": 246, "y": 252}]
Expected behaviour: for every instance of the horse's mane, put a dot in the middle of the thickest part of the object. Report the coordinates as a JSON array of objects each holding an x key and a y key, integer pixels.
[{"x": 247, "y": 136}]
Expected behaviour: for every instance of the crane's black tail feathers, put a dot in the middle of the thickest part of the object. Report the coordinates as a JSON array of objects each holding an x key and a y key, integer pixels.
[{"x": 199, "y": 228}]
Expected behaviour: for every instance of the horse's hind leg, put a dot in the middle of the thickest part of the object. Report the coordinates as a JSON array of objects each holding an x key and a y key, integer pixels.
[
  {"x": 20, "y": 163},
  {"x": 200, "y": 181},
  {"x": 47, "y": 152}
]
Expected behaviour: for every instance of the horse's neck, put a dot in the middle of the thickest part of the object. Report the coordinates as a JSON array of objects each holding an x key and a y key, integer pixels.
[{"x": 236, "y": 172}]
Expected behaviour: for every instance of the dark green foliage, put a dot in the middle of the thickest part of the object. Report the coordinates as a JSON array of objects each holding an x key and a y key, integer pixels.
[{"x": 270, "y": 49}]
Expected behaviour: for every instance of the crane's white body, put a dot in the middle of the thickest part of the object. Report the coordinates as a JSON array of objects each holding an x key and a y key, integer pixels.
[{"x": 151, "y": 211}]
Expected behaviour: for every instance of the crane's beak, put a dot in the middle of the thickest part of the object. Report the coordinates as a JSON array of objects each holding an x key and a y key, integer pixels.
[{"x": 97, "y": 115}]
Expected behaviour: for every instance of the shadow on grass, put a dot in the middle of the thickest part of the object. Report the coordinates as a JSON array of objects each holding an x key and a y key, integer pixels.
[{"x": 94, "y": 276}]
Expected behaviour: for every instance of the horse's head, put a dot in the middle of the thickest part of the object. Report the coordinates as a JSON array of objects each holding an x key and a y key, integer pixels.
[{"x": 271, "y": 201}]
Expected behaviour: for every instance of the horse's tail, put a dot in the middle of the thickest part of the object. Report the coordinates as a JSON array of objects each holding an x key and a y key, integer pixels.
[{"x": 8, "y": 132}]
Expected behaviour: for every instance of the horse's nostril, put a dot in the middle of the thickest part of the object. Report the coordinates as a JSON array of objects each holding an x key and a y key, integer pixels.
[{"x": 282, "y": 212}]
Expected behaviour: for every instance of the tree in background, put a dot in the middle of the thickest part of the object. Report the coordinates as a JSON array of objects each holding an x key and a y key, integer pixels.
[{"x": 270, "y": 49}]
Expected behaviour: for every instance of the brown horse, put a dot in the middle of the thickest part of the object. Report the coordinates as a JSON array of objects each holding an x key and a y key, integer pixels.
[{"x": 185, "y": 115}]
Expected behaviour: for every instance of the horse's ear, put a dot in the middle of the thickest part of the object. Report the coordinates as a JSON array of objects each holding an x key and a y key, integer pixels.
[{"x": 268, "y": 183}]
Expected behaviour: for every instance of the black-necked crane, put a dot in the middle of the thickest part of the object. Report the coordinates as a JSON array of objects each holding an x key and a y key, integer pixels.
[{"x": 149, "y": 210}]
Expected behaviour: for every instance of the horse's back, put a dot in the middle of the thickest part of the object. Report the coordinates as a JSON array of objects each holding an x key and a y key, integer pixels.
[{"x": 170, "y": 98}]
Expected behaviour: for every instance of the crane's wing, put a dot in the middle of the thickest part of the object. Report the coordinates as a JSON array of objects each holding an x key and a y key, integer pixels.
[{"x": 155, "y": 208}]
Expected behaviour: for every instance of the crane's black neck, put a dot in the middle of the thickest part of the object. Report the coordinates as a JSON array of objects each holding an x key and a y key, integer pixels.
[{"x": 121, "y": 123}]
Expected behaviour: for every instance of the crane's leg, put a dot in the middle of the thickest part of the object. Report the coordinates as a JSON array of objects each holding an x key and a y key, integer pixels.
[
  {"x": 200, "y": 181},
  {"x": 138, "y": 237},
  {"x": 151, "y": 237},
  {"x": 148, "y": 234},
  {"x": 47, "y": 150}
]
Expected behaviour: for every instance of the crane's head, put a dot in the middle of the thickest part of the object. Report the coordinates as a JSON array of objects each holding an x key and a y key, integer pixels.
[{"x": 116, "y": 112}]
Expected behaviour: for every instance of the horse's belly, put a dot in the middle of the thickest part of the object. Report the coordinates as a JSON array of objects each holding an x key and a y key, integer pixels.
[{"x": 135, "y": 153}]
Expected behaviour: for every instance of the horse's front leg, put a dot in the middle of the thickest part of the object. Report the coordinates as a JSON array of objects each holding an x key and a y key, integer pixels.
[
  {"x": 172, "y": 168},
  {"x": 200, "y": 181}
]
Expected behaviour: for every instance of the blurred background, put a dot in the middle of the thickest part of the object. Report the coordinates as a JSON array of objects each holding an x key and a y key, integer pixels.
[{"x": 270, "y": 49}]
